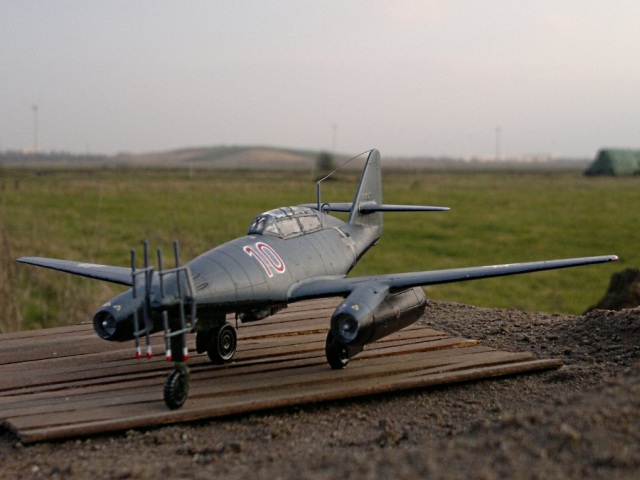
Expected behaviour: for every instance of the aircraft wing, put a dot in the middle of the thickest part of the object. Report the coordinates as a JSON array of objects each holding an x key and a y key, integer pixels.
[
  {"x": 342, "y": 286},
  {"x": 121, "y": 275}
]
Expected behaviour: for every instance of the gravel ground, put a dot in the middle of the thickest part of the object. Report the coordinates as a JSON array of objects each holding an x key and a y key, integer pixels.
[{"x": 581, "y": 421}]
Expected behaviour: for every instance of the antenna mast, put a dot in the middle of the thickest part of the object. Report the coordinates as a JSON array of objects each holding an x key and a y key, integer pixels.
[{"x": 36, "y": 125}]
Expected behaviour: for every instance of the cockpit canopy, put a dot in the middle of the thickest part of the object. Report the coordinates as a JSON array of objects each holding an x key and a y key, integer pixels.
[{"x": 286, "y": 222}]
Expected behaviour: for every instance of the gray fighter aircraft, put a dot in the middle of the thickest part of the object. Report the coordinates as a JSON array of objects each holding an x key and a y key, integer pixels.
[{"x": 289, "y": 254}]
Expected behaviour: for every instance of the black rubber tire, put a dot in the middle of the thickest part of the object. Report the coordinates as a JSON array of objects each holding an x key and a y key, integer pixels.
[
  {"x": 223, "y": 344},
  {"x": 337, "y": 353},
  {"x": 176, "y": 388}
]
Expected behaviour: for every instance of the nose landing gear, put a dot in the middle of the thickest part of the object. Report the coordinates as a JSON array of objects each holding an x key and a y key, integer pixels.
[
  {"x": 176, "y": 387},
  {"x": 219, "y": 343}
]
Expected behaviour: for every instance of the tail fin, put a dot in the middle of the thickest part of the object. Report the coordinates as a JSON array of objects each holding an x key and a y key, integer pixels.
[
  {"x": 368, "y": 194},
  {"x": 367, "y": 207}
]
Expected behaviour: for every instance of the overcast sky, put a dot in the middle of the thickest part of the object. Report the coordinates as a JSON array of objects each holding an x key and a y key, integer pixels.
[{"x": 407, "y": 77}]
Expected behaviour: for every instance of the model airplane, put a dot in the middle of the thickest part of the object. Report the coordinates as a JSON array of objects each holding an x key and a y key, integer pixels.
[{"x": 289, "y": 254}]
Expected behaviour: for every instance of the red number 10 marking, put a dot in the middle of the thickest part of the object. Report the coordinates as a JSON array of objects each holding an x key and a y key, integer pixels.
[{"x": 267, "y": 257}]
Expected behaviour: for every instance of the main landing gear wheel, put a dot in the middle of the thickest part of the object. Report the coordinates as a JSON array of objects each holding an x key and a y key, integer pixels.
[
  {"x": 222, "y": 344},
  {"x": 337, "y": 353},
  {"x": 176, "y": 387}
]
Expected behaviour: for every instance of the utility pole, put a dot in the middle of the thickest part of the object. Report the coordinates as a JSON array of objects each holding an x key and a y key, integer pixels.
[
  {"x": 334, "y": 129},
  {"x": 36, "y": 125},
  {"x": 498, "y": 131}
]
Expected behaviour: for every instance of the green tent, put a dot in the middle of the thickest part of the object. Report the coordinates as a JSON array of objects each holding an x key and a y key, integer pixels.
[{"x": 614, "y": 161}]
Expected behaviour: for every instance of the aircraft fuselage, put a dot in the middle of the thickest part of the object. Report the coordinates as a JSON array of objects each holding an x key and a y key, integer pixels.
[{"x": 251, "y": 275}]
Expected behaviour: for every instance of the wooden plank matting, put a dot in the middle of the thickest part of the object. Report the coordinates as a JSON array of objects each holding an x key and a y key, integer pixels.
[{"x": 66, "y": 382}]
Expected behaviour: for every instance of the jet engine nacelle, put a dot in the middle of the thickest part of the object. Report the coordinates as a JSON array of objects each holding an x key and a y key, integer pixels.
[
  {"x": 370, "y": 313},
  {"x": 114, "y": 321}
]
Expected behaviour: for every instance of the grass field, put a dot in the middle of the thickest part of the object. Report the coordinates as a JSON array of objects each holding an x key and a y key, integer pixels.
[{"x": 97, "y": 215}]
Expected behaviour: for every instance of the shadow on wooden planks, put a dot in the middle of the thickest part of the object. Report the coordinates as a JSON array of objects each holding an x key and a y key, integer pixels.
[{"x": 66, "y": 382}]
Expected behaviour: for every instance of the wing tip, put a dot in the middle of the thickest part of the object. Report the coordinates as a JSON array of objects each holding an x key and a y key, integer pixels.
[{"x": 26, "y": 259}]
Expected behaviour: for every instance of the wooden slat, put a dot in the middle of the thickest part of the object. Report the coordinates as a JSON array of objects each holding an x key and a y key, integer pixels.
[{"x": 66, "y": 382}]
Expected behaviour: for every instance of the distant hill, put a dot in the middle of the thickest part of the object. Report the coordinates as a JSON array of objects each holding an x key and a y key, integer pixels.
[
  {"x": 246, "y": 157},
  {"x": 263, "y": 157},
  {"x": 241, "y": 157}
]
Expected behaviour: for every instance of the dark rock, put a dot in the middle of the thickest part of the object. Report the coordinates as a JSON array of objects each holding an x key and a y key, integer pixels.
[{"x": 623, "y": 291}]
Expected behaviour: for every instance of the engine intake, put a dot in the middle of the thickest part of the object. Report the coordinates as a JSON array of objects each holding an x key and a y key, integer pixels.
[
  {"x": 370, "y": 313},
  {"x": 114, "y": 321}
]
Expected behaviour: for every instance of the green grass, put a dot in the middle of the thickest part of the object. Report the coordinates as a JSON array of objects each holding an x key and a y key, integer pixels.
[{"x": 98, "y": 215}]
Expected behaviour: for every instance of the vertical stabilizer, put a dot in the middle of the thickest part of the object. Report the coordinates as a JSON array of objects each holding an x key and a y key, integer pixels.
[{"x": 369, "y": 194}]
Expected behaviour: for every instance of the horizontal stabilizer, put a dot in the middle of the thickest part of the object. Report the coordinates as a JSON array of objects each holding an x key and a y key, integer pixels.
[
  {"x": 374, "y": 207},
  {"x": 121, "y": 275}
]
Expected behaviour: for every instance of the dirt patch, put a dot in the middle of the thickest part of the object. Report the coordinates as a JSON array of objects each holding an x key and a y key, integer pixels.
[{"x": 577, "y": 422}]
